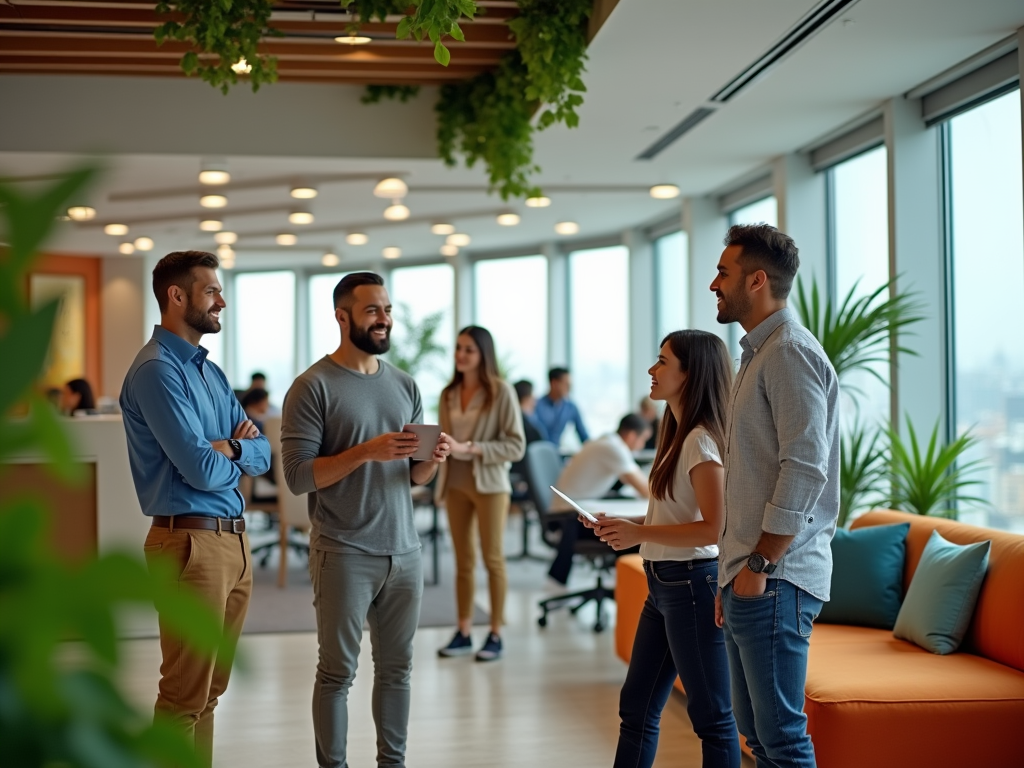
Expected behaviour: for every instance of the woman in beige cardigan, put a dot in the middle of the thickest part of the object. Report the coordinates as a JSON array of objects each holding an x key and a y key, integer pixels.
[{"x": 480, "y": 414}]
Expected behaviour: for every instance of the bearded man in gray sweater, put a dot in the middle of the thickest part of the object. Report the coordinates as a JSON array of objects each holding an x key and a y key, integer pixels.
[{"x": 342, "y": 443}]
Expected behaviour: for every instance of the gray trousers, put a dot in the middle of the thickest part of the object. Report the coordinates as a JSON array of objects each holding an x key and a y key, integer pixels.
[{"x": 384, "y": 591}]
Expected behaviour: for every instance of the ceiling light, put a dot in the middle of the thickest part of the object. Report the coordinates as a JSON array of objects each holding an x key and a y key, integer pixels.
[
  {"x": 330, "y": 260},
  {"x": 508, "y": 219},
  {"x": 126, "y": 248},
  {"x": 226, "y": 252},
  {"x": 664, "y": 191},
  {"x": 442, "y": 229},
  {"x": 211, "y": 225},
  {"x": 567, "y": 227},
  {"x": 144, "y": 243},
  {"x": 214, "y": 176},
  {"x": 213, "y": 201},
  {"x": 396, "y": 212},
  {"x": 241, "y": 67},
  {"x": 356, "y": 238},
  {"x": 538, "y": 202},
  {"x": 228, "y": 263},
  {"x": 286, "y": 238},
  {"x": 459, "y": 240},
  {"x": 353, "y": 39},
  {"x": 81, "y": 213},
  {"x": 116, "y": 229},
  {"x": 449, "y": 250},
  {"x": 300, "y": 217},
  {"x": 226, "y": 238},
  {"x": 393, "y": 188},
  {"x": 303, "y": 193},
  {"x": 391, "y": 252}
]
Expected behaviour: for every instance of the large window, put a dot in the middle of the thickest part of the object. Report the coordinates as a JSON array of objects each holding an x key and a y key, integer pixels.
[
  {"x": 510, "y": 297},
  {"x": 424, "y": 333},
  {"x": 264, "y": 334},
  {"x": 671, "y": 283},
  {"x": 988, "y": 289},
  {"x": 764, "y": 211},
  {"x": 599, "y": 322},
  {"x": 324, "y": 333},
  {"x": 860, "y": 262}
]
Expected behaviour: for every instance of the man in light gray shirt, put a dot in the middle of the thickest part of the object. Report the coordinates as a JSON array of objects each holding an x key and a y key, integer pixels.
[
  {"x": 342, "y": 443},
  {"x": 781, "y": 495}
]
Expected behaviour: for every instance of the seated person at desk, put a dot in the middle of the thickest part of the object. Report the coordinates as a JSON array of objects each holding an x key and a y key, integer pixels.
[
  {"x": 256, "y": 404},
  {"x": 649, "y": 412},
  {"x": 76, "y": 397},
  {"x": 555, "y": 410},
  {"x": 590, "y": 474},
  {"x": 528, "y": 406}
]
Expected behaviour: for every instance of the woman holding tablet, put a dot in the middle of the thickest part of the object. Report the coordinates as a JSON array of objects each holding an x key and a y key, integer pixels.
[
  {"x": 678, "y": 539},
  {"x": 480, "y": 413}
]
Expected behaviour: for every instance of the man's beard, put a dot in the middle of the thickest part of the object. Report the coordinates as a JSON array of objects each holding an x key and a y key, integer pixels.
[
  {"x": 200, "y": 321},
  {"x": 362, "y": 339},
  {"x": 734, "y": 307}
]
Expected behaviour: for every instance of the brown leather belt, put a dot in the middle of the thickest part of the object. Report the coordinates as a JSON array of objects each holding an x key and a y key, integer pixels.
[{"x": 199, "y": 522}]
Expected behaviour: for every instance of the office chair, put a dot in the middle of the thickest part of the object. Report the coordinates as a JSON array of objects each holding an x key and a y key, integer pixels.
[
  {"x": 293, "y": 512},
  {"x": 543, "y": 464}
]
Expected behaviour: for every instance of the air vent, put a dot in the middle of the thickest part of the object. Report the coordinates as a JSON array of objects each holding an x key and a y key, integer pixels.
[
  {"x": 817, "y": 19},
  {"x": 688, "y": 122}
]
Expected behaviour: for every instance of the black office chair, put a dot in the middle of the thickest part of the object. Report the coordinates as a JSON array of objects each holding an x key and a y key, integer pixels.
[{"x": 543, "y": 464}]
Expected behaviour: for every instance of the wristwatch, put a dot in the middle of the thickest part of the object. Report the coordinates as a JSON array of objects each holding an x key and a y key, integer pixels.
[
  {"x": 236, "y": 449},
  {"x": 758, "y": 563}
]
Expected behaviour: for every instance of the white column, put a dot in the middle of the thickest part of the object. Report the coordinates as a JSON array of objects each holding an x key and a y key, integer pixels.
[
  {"x": 122, "y": 305},
  {"x": 800, "y": 193},
  {"x": 917, "y": 262},
  {"x": 558, "y": 307},
  {"x": 705, "y": 227},
  {"x": 643, "y": 344},
  {"x": 302, "y": 355},
  {"x": 464, "y": 302}
]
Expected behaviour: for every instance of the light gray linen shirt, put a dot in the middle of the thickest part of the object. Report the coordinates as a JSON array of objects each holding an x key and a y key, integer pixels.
[{"x": 782, "y": 454}]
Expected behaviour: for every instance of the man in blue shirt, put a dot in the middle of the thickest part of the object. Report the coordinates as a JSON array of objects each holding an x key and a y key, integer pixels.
[
  {"x": 555, "y": 410},
  {"x": 189, "y": 441}
]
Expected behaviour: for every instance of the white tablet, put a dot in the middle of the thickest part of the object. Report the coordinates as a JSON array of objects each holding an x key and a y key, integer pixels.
[
  {"x": 576, "y": 506},
  {"x": 428, "y": 434}
]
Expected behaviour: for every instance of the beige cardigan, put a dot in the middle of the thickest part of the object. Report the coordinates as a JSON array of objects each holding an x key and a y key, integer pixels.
[{"x": 499, "y": 433}]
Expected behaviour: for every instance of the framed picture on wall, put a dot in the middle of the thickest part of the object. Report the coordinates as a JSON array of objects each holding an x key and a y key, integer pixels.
[{"x": 67, "y": 357}]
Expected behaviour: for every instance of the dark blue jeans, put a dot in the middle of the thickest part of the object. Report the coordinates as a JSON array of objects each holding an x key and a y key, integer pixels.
[
  {"x": 677, "y": 635},
  {"x": 767, "y": 639}
]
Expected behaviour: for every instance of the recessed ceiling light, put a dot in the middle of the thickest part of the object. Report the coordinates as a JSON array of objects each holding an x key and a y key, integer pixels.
[
  {"x": 286, "y": 238},
  {"x": 567, "y": 227},
  {"x": 449, "y": 250},
  {"x": 353, "y": 39},
  {"x": 214, "y": 176},
  {"x": 391, "y": 188},
  {"x": 144, "y": 243},
  {"x": 664, "y": 191},
  {"x": 442, "y": 229},
  {"x": 329, "y": 260},
  {"x": 116, "y": 229},
  {"x": 459, "y": 240},
  {"x": 213, "y": 201},
  {"x": 81, "y": 213},
  {"x": 300, "y": 217},
  {"x": 241, "y": 67},
  {"x": 391, "y": 252},
  {"x": 356, "y": 238},
  {"x": 538, "y": 202},
  {"x": 211, "y": 225},
  {"x": 126, "y": 248},
  {"x": 228, "y": 263},
  {"x": 226, "y": 238},
  {"x": 226, "y": 252},
  {"x": 396, "y": 212},
  {"x": 304, "y": 193},
  {"x": 508, "y": 219}
]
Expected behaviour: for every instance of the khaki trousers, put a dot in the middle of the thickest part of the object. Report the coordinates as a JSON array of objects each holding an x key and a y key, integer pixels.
[
  {"x": 218, "y": 567},
  {"x": 468, "y": 512}
]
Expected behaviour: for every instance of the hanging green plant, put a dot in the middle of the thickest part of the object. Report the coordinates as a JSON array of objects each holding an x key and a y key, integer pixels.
[
  {"x": 377, "y": 93},
  {"x": 431, "y": 19}
]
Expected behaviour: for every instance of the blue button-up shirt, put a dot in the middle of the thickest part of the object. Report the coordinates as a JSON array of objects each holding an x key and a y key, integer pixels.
[
  {"x": 554, "y": 417},
  {"x": 175, "y": 403}
]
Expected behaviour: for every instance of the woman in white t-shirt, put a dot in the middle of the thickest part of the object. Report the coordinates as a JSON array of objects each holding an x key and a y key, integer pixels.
[{"x": 678, "y": 540}]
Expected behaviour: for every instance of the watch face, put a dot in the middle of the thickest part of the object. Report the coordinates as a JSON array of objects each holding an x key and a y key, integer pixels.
[{"x": 756, "y": 563}]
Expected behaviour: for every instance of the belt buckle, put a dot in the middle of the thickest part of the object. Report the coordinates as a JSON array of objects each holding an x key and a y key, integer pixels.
[{"x": 237, "y": 525}]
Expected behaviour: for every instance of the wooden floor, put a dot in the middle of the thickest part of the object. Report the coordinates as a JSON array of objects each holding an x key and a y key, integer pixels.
[{"x": 551, "y": 701}]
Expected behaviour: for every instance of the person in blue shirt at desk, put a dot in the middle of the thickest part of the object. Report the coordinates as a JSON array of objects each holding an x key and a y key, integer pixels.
[
  {"x": 555, "y": 410},
  {"x": 189, "y": 441}
]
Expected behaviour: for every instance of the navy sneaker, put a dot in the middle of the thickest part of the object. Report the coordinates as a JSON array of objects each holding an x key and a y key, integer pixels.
[
  {"x": 491, "y": 649},
  {"x": 460, "y": 645}
]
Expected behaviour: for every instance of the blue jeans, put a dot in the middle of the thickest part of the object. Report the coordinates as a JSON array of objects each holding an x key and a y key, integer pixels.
[
  {"x": 767, "y": 639},
  {"x": 677, "y": 635}
]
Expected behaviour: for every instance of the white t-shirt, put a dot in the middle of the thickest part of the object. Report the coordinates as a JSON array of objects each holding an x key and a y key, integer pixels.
[
  {"x": 698, "y": 447},
  {"x": 592, "y": 472}
]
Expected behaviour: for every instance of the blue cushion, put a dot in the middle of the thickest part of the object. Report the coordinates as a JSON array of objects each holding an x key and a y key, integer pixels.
[
  {"x": 941, "y": 596},
  {"x": 867, "y": 576}
]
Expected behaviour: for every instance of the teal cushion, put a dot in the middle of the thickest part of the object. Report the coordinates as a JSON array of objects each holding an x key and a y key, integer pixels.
[
  {"x": 941, "y": 596},
  {"x": 867, "y": 576}
]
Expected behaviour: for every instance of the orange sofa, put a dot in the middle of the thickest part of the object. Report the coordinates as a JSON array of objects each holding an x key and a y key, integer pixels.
[{"x": 873, "y": 700}]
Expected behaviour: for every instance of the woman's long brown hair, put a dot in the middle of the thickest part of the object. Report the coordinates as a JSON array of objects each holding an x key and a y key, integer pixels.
[
  {"x": 704, "y": 358},
  {"x": 489, "y": 373}
]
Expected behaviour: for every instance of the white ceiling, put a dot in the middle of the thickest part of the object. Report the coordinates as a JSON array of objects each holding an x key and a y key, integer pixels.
[{"x": 652, "y": 63}]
